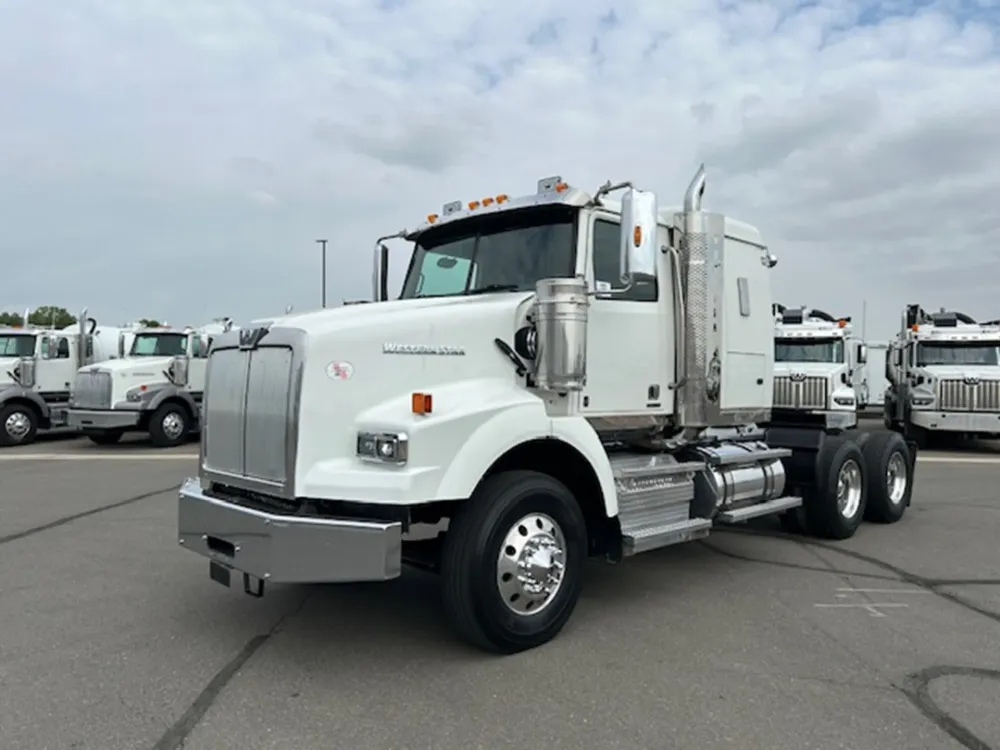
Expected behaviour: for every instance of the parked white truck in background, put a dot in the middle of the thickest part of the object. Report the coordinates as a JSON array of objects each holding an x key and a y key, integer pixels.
[
  {"x": 819, "y": 368},
  {"x": 37, "y": 368},
  {"x": 944, "y": 376},
  {"x": 562, "y": 376},
  {"x": 156, "y": 388}
]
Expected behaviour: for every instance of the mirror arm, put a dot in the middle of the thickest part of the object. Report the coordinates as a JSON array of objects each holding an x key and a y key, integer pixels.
[{"x": 380, "y": 273}]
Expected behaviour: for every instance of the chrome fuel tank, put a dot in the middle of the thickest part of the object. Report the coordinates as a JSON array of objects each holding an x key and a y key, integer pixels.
[{"x": 738, "y": 474}]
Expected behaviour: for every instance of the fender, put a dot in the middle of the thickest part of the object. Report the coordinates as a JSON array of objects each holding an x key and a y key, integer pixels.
[
  {"x": 19, "y": 392},
  {"x": 506, "y": 429},
  {"x": 522, "y": 424},
  {"x": 152, "y": 398}
]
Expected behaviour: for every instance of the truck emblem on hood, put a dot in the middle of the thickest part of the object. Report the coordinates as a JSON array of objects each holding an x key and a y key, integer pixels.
[
  {"x": 797, "y": 377},
  {"x": 444, "y": 351},
  {"x": 250, "y": 337},
  {"x": 971, "y": 380}
]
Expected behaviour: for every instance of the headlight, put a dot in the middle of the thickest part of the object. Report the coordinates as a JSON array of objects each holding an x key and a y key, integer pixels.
[
  {"x": 922, "y": 400},
  {"x": 843, "y": 400},
  {"x": 385, "y": 447}
]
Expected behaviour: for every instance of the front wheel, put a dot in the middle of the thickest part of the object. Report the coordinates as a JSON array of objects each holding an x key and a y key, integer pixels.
[
  {"x": 18, "y": 424},
  {"x": 512, "y": 563},
  {"x": 168, "y": 426}
]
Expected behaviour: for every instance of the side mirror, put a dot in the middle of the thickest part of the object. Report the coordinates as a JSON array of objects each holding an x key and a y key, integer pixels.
[
  {"x": 121, "y": 346},
  {"x": 380, "y": 274},
  {"x": 51, "y": 348},
  {"x": 638, "y": 235},
  {"x": 862, "y": 354}
]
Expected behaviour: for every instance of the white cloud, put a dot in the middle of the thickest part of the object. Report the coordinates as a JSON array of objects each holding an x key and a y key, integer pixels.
[{"x": 178, "y": 159}]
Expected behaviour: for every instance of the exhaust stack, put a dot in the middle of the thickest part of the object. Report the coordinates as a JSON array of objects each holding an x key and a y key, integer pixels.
[
  {"x": 693, "y": 393},
  {"x": 81, "y": 342}
]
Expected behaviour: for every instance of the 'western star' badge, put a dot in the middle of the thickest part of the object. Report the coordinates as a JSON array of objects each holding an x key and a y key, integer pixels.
[
  {"x": 444, "y": 351},
  {"x": 250, "y": 337}
]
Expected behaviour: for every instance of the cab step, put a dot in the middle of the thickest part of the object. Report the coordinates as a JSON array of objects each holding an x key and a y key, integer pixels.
[
  {"x": 654, "y": 501},
  {"x": 739, "y": 515},
  {"x": 643, "y": 539}
]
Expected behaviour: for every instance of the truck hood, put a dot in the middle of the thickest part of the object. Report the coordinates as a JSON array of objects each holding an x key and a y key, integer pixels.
[
  {"x": 350, "y": 383},
  {"x": 147, "y": 368},
  {"x": 435, "y": 321}
]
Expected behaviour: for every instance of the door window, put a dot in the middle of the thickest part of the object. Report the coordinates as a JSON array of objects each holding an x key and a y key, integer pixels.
[{"x": 607, "y": 251}]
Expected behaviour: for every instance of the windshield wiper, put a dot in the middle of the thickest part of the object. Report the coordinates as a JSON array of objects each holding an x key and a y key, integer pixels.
[{"x": 494, "y": 288}]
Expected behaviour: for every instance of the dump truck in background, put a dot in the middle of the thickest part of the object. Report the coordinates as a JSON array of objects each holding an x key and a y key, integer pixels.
[
  {"x": 156, "y": 387},
  {"x": 37, "y": 369}
]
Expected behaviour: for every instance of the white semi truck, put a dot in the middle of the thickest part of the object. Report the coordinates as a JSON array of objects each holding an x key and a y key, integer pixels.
[
  {"x": 563, "y": 376},
  {"x": 944, "y": 376},
  {"x": 819, "y": 368},
  {"x": 37, "y": 368},
  {"x": 156, "y": 387}
]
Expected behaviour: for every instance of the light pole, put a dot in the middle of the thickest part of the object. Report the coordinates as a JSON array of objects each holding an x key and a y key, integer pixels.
[{"x": 323, "y": 245}]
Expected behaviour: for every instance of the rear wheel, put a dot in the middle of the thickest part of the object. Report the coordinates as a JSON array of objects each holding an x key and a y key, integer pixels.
[
  {"x": 887, "y": 459},
  {"x": 512, "y": 563},
  {"x": 835, "y": 506},
  {"x": 18, "y": 424}
]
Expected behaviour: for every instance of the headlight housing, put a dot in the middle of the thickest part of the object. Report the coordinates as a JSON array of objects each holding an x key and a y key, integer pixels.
[{"x": 383, "y": 447}]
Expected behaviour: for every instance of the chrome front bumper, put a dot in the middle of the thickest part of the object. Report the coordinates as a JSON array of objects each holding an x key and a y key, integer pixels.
[
  {"x": 957, "y": 421},
  {"x": 101, "y": 419},
  {"x": 286, "y": 549}
]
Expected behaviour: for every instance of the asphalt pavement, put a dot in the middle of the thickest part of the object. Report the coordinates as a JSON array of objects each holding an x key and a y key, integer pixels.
[{"x": 112, "y": 637}]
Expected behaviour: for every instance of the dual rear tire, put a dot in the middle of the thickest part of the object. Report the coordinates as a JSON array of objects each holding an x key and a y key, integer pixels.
[{"x": 867, "y": 477}]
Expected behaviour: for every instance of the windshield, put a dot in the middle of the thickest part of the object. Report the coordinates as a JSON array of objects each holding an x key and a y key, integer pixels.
[
  {"x": 17, "y": 345},
  {"x": 809, "y": 350},
  {"x": 505, "y": 251},
  {"x": 159, "y": 345},
  {"x": 958, "y": 353}
]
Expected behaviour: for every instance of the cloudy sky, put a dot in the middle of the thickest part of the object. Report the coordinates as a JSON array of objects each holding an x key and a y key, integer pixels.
[{"x": 178, "y": 159}]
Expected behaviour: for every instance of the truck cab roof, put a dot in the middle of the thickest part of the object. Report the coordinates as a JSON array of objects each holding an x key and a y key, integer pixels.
[{"x": 568, "y": 196}]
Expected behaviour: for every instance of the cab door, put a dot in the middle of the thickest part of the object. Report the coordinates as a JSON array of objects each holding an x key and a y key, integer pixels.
[{"x": 629, "y": 340}]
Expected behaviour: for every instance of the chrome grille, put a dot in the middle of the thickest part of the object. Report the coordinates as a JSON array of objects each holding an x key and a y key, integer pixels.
[
  {"x": 810, "y": 393},
  {"x": 92, "y": 390},
  {"x": 247, "y": 404},
  {"x": 954, "y": 394}
]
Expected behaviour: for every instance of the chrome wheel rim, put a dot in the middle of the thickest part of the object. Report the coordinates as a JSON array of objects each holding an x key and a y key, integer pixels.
[
  {"x": 173, "y": 425},
  {"x": 849, "y": 488},
  {"x": 531, "y": 564},
  {"x": 896, "y": 478},
  {"x": 17, "y": 425}
]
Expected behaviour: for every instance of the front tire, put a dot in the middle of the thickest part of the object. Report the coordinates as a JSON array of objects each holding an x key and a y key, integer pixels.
[
  {"x": 512, "y": 564},
  {"x": 169, "y": 425},
  {"x": 887, "y": 459},
  {"x": 18, "y": 425},
  {"x": 835, "y": 507}
]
